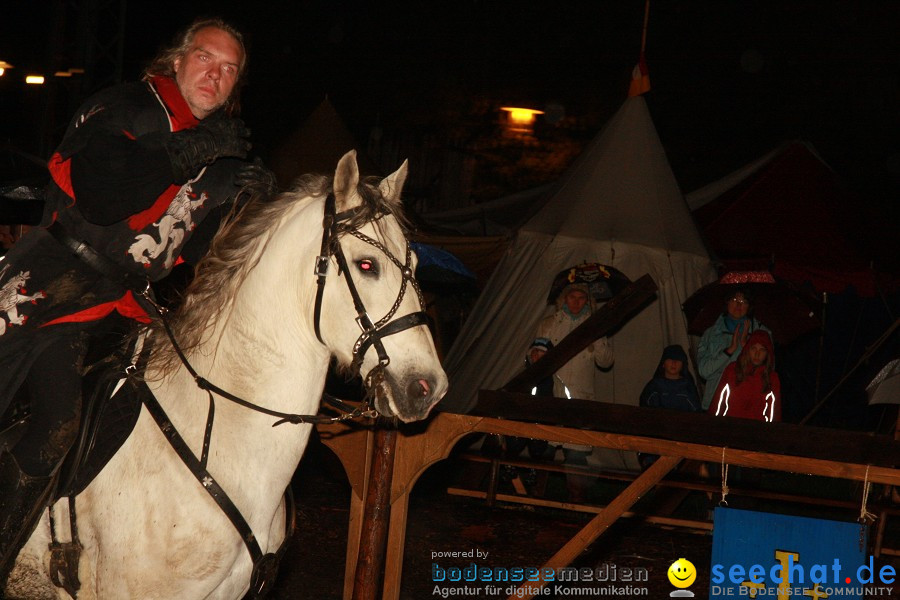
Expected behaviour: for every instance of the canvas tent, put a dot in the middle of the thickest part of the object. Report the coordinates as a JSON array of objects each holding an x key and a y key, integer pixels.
[
  {"x": 791, "y": 209},
  {"x": 618, "y": 204},
  {"x": 317, "y": 146}
]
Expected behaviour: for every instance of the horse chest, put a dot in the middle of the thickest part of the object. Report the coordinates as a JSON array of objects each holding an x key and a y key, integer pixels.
[{"x": 157, "y": 540}]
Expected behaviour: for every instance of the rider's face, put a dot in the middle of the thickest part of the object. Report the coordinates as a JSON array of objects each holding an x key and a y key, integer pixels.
[{"x": 208, "y": 71}]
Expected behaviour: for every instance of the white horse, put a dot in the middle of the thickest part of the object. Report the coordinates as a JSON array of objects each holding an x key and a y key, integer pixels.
[{"x": 148, "y": 527}]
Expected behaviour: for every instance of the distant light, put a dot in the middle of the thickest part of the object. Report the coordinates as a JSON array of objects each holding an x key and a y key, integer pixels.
[
  {"x": 2, "y": 71},
  {"x": 69, "y": 72},
  {"x": 520, "y": 119},
  {"x": 5, "y": 65},
  {"x": 34, "y": 79},
  {"x": 522, "y": 115}
]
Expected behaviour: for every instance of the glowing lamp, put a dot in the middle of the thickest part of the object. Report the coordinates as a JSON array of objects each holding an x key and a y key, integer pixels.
[
  {"x": 69, "y": 72},
  {"x": 34, "y": 79},
  {"x": 520, "y": 119}
]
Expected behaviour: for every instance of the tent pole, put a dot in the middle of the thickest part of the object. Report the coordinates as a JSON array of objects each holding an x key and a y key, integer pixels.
[
  {"x": 869, "y": 352},
  {"x": 821, "y": 347},
  {"x": 644, "y": 32}
]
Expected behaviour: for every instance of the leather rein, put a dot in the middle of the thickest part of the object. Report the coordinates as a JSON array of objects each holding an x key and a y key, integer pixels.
[{"x": 265, "y": 565}]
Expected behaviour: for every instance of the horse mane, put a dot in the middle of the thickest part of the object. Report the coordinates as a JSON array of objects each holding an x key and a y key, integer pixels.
[{"x": 237, "y": 247}]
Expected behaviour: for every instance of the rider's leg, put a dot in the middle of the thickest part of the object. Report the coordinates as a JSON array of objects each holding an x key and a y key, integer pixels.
[{"x": 28, "y": 471}]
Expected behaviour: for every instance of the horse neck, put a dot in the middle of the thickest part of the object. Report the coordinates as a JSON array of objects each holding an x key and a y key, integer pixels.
[{"x": 252, "y": 460}]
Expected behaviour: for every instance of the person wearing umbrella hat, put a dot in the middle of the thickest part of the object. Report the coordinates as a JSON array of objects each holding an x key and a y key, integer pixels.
[
  {"x": 722, "y": 342},
  {"x": 575, "y": 379}
]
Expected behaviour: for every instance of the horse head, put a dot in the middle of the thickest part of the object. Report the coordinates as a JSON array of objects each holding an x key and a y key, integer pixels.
[
  {"x": 371, "y": 313},
  {"x": 278, "y": 294}
]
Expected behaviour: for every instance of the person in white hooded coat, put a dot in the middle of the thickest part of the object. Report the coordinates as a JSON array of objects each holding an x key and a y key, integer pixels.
[{"x": 575, "y": 379}]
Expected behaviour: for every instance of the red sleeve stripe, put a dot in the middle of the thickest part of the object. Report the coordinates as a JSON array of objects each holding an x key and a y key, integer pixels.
[{"x": 61, "y": 172}]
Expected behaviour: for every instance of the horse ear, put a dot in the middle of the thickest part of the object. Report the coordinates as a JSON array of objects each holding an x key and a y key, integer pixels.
[
  {"x": 391, "y": 186},
  {"x": 346, "y": 180}
]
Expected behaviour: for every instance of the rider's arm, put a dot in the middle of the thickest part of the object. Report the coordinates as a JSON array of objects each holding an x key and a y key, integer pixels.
[{"x": 115, "y": 176}]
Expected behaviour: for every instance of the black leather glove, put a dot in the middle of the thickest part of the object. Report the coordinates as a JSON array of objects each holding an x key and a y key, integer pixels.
[
  {"x": 216, "y": 136},
  {"x": 256, "y": 179}
]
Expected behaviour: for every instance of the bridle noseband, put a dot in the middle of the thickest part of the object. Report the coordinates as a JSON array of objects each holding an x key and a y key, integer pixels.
[{"x": 372, "y": 333}]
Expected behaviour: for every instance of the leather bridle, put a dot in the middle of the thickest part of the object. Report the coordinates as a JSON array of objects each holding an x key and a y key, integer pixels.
[
  {"x": 265, "y": 565},
  {"x": 372, "y": 333}
]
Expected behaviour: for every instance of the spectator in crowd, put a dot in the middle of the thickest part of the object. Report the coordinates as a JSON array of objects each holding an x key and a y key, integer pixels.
[
  {"x": 671, "y": 387},
  {"x": 575, "y": 379},
  {"x": 722, "y": 342},
  {"x": 749, "y": 388},
  {"x": 537, "y": 449}
]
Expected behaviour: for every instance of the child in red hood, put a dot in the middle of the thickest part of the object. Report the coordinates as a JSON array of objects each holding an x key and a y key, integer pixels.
[{"x": 749, "y": 387}]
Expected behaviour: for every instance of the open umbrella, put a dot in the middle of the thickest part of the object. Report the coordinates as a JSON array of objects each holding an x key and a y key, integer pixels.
[
  {"x": 786, "y": 310},
  {"x": 440, "y": 271},
  {"x": 603, "y": 281},
  {"x": 885, "y": 388}
]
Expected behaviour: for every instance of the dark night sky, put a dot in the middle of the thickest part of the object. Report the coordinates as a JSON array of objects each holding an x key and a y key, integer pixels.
[{"x": 731, "y": 80}]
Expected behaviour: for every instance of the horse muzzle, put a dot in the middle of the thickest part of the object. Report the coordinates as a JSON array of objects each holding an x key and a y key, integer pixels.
[{"x": 409, "y": 397}]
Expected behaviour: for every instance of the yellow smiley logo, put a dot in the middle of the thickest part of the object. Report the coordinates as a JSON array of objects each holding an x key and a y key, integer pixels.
[{"x": 682, "y": 573}]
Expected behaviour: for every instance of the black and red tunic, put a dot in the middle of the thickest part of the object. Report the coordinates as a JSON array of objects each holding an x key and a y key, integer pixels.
[{"x": 113, "y": 188}]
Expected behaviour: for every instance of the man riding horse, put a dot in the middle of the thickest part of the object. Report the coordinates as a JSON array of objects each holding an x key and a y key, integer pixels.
[{"x": 130, "y": 154}]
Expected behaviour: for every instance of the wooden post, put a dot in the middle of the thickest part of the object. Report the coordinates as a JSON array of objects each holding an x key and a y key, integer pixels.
[
  {"x": 370, "y": 561},
  {"x": 602, "y": 521}
]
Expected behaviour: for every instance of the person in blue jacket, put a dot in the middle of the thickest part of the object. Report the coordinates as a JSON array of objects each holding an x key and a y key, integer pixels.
[
  {"x": 721, "y": 344},
  {"x": 672, "y": 387}
]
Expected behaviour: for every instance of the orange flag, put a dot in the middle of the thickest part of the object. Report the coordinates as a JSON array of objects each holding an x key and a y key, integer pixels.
[{"x": 640, "y": 78}]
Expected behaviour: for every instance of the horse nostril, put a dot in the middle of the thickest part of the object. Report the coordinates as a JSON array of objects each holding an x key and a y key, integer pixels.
[{"x": 418, "y": 389}]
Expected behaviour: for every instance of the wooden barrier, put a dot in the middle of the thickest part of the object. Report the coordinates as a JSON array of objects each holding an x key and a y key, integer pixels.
[{"x": 671, "y": 434}]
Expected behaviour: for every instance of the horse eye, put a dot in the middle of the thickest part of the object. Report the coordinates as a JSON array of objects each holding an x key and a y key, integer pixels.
[{"x": 367, "y": 266}]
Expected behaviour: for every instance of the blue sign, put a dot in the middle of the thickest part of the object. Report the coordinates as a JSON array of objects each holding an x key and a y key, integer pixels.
[{"x": 763, "y": 555}]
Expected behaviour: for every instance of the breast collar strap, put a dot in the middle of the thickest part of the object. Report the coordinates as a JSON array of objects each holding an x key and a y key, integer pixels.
[{"x": 372, "y": 333}]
